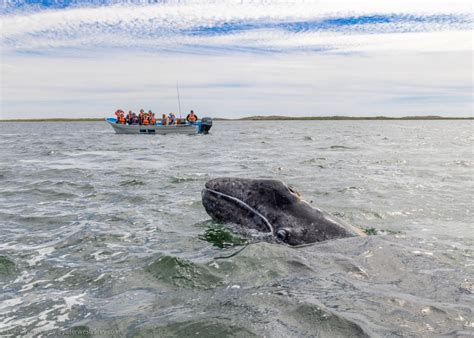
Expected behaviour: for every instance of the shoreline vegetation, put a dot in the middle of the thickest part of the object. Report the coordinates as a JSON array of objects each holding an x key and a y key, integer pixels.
[
  {"x": 342, "y": 118},
  {"x": 268, "y": 118}
]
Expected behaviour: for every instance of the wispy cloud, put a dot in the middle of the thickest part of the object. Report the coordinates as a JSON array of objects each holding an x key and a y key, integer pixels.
[{"x": 313, "y": 26}]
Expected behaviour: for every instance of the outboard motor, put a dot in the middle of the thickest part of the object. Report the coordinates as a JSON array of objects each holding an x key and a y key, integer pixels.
[{"x": 206, "y": 124}]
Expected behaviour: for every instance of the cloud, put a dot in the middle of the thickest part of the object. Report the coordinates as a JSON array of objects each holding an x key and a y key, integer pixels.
[
  {"x": 235, "y": 26},
  {"x": 236, "y": 57},
  {"x": 223, "y": 86}
]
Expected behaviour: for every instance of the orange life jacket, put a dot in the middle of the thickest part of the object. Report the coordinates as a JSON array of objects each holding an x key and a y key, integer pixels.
[
  {"x": 121, "y": 119},
  {"x": 192, "y": 118},
  {"x": 145, "y": 121},
  {"x": 153, "y": 120}
]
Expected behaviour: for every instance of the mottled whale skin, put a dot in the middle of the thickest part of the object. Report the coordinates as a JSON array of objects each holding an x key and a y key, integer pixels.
[{"x": 272, "y": 206}]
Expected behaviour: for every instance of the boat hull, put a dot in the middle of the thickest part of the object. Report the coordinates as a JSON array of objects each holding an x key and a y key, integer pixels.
[{"x": 187, "y": 129}]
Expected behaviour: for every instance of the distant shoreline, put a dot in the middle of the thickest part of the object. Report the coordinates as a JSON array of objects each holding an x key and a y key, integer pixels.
[
  {"x": 55, "y": 120},
  {"x": 268, "y": 118},
  {"x": 341, "y": 118}
]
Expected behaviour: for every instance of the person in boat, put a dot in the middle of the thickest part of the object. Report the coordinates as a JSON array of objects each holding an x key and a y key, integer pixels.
[
  {"x": 152, "y": 118},
  {"x": 164, "y": 120},
  {"x": 146, "y": 119},
  {"x": 117, "y": 115},
  {"x": 129, "y": 117},
  {"x": 141, "y": 116},
  {"x": 191, "y": 117},
  {"x": 121, "y": 118},
  {"x": 171, "y": 118},
  {"x": 134, "y": 119}
]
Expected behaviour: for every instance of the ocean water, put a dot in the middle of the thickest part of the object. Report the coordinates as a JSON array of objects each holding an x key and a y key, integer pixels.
[{"x": 105, "y": 235}]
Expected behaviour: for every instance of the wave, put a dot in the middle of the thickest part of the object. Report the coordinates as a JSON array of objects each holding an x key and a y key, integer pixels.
[
  {"x": 190, "y": 178},
  {"x": 7, "y": 268},
  {"x": 132, "y": 182},
  {"x": 179, "y": 272},
  {"x": 341, "y": 147}
]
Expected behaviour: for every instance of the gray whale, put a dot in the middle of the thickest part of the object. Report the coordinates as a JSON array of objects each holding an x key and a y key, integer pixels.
[{"x": 272, "y": 206}]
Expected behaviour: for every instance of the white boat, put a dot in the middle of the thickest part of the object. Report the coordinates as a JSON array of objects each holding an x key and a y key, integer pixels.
[{"x": 199, "y": 127}]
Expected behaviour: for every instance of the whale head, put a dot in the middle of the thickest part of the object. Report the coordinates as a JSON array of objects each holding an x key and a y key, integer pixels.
[{"x": 274, "y": 207}]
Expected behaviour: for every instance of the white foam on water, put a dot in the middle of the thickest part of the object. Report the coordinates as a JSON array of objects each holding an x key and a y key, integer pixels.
[
  {"x": 100, "y": 277},
  {"x": 39, "y": 257},
  {"x": 13, "y": 322},
  {"x": 32, "y": 284},
  {"x": 62, "y": 278},
  {"x": 74, "y": 300},
  {"x": 97, "y": 255},
  {"x": 214, "y": 265},
  {"x": 24, "y": 277},
  {"x": 8, "y": 303},
  {"x": 419, "y": 253}
]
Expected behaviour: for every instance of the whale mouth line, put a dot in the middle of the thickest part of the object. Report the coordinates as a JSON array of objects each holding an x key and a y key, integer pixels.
[{"x": 245, "y": 205}]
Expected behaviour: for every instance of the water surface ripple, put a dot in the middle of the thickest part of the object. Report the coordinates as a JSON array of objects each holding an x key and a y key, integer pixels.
[{"x": 102, "y": 233}]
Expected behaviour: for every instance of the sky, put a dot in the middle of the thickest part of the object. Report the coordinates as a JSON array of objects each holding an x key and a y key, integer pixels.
[{"x": 235, "y": 58}]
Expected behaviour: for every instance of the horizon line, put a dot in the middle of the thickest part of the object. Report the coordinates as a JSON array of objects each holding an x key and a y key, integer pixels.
[{"x": 266, "y": 118}]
